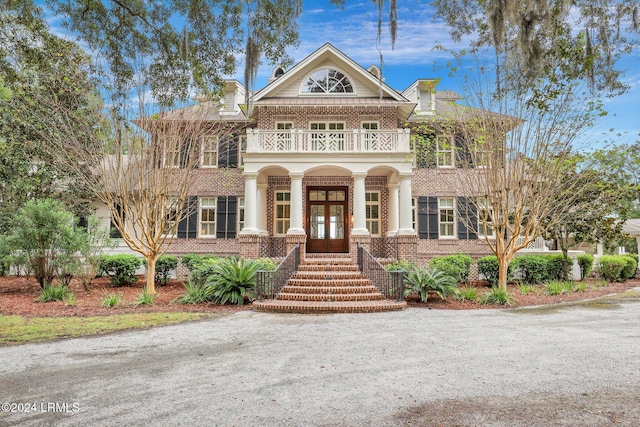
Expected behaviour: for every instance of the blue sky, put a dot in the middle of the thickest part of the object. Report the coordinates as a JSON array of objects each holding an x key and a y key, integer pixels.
[{"x": 353, "y": 31}]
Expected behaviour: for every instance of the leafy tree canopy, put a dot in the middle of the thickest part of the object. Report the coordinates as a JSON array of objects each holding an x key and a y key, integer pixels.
[{"x": 577, "y": 39}]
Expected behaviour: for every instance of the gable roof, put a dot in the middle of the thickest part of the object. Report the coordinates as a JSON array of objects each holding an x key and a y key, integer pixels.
[{"x": 328, "y": 51}]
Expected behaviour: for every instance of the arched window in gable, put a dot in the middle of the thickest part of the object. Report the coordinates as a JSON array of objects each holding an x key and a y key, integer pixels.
[{"x": 327, "y": 80}]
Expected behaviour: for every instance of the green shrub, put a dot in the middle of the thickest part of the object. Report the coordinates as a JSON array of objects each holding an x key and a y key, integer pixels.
[
  {"x": 489, "y": 268},
  {"x": 585, "y": 262},
  {"x": 611, "y": 267},
  {"x": 232, "y": 279},
  {"x": 555, "y": 266},
  {"x": 121, "y": 269},
  {"x": 266, "y": 264},
  {"x": 164, "y": 265},
  {"x": 527, "y": 289},
  {"x": 111, "y": 300},
  {"x": 54, "y": 293},
  {"x": 202, "y": 270},
  {"x": 456, "y": 266},
  {"x": 581, "y": 287},
  {"x": 423, "y": 280},
  {"x": 192, "y": 261},
  {"x": 402, "y": 265},
  {"x": 533, "y": 269},
  {"x": 467, "y": 293},
  {"x": 630, "y": 267},
  {"x": 496, "y": 296}
]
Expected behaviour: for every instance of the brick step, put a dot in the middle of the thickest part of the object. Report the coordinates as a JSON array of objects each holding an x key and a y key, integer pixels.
[
  {"x": 323, "y": 290},
  {"x": 328, "y": 267},
  {"x": 359, "y": 281},
  {"x": 325, "y": 307},
  {"x": 327, "y": 275},
  {"x": 327, "y": 261},
  {"x": 290, "y": 296}
]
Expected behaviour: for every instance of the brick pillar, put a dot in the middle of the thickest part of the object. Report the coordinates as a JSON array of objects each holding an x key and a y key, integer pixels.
[
  {"x": 293, "y": 239},
  {"x": 407, "y": 247},
  {"x": 249, "y": 246},
  {"x": 365, "y": 241}
]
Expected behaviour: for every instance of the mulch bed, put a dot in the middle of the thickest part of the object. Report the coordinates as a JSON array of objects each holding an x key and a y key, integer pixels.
[{"x": 19, "y": 296}]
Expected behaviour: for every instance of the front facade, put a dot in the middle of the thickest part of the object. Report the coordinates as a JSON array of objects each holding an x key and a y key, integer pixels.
[{"x": 326, "y": 158}]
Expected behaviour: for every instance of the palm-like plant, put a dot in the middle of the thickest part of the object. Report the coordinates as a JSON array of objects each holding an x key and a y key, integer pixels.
[
  {"x": 232, "y": 279},
  {"x": 423, "y": 280}
]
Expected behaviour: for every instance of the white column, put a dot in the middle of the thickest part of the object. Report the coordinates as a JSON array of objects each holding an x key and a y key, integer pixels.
[
  {"x": 359, "y": 205},
  {"x": 405, "y": 205},
  {"x": 261, "y": 222},
  {"x": 393, "y": 210},
  {"x": 295, "y": 226},
  {"x": 250, "y": 204}
]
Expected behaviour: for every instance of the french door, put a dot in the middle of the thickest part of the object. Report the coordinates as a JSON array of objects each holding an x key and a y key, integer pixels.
[{"x": 327, "y": 220}]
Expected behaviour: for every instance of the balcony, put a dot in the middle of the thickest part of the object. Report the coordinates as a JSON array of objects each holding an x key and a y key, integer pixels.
[{"x": 332, "y": 141}]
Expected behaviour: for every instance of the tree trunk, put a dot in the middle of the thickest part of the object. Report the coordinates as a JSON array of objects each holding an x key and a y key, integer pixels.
[
  {"x": 565, "y": 264},
  {"x": 150, "y": 286},
  {"x": 503, "y": 269}
]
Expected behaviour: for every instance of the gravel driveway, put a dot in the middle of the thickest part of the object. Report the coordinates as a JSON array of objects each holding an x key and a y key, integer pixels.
[{"x": 576, "y": 365}]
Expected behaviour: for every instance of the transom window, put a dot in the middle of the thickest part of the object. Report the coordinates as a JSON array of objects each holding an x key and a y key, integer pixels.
[
  {"x": 372, "y": 201},
  {"x": 446, "y": 217},
  {"x": 327, "y": 80},
  {"x": 282, "y": 212},
  {"x": 444, "y": 151}
]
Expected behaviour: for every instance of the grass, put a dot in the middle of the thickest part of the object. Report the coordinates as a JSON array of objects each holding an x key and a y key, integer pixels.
[
  {"x": 467, "y": 293},
  {"x": 54, "y": 293},
  {"x": 111, "y": 300},
  {"x": 558, "y": 287},
  {"x": 145, "y": 298},
  {"x": 21, "y": 330},
  {"x": 527, "y": 289},
  {"x": 496, "y": 296}
]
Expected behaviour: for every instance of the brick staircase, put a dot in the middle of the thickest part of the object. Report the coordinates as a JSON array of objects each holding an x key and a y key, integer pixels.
[{"x": 328, "y": 283}]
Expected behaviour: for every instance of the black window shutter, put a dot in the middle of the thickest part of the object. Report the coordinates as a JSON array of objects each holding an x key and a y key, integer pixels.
[
  {"x": 462, "y": 154},
  {"x": 221, "y": 217},
  {"x": 433, "y": 217},
  {"x": 232, "y": 215},
  {"x": 423, "y": 228},
  {"x": 233, "y": 152},
  {"x": 188, "y": 225},
  {"x": 114, "y": 233},
  {"x": 425, "y": 151},
  {"x": 223, "y": 152},
  {"x": 467, "y": 219}
]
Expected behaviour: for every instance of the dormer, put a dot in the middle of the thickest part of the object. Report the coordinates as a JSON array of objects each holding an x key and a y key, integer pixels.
[
  {"x": 277, "y": 73},
  {"x": 233, "y": 96},
  {"x": 375, "y": 71},
  {"x": 423, "y": 93}
]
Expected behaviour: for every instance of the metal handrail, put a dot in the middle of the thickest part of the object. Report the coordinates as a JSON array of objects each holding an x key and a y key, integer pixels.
[
  {"x": 389, "y": 283},
  {"x": 270, "y": 283}
]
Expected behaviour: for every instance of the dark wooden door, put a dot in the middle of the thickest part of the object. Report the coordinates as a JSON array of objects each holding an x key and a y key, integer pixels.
[{"x": 327, "y": 220}]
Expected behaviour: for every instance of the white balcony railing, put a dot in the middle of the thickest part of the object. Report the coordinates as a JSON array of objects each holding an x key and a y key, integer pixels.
[{"x": 356, "y": 140}]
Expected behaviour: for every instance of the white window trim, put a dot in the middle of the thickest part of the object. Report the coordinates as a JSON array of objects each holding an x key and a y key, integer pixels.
[
  {"x": 485, "y": 206},
  {"x": 170, "y": 202},
  {"x": 450, "y": 152},
  {"x": 377, "y": 203},
  {"x": 200, "y": 206},
  {"x": 242, "y": 142},
  {"x": 414, "y": 213},
  {"x": 308, "y": 76},
  {"x": 215, "y": 165},
  {"x": 453, "y": 209},
  {"x": 276, "y": 203},
  {"x": 240, "y": 209}
]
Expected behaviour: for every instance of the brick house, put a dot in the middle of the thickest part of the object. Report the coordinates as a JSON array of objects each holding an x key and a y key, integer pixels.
[{"x": 326, "y": 157}]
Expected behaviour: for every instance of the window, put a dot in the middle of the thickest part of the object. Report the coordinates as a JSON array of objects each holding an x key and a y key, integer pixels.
[
  {"x": 444, "y": 153},
  {"x": 446, "y": 217},
  {"x": 208, "y": 216},
  {"x": 414, "y": 214},
  {"x": 372, "y": 202},
  {"x": 331, "y": 137},
  {"x": 172, "y": 155},
  {"x": 326, "y": 81},
  {"x": 118, "y": 211},
  {"x": 210, "y": 151},
  {"x": 240, "y": 213},
  {"x": 485, "y": 220},
  {"x": 282, "y": 212},
  {"x": 243, "y": 148},
  {"x": 370, "y": 139},
  {"x": 283, "y": 139},
  {"x": 173, "y": 216}
]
